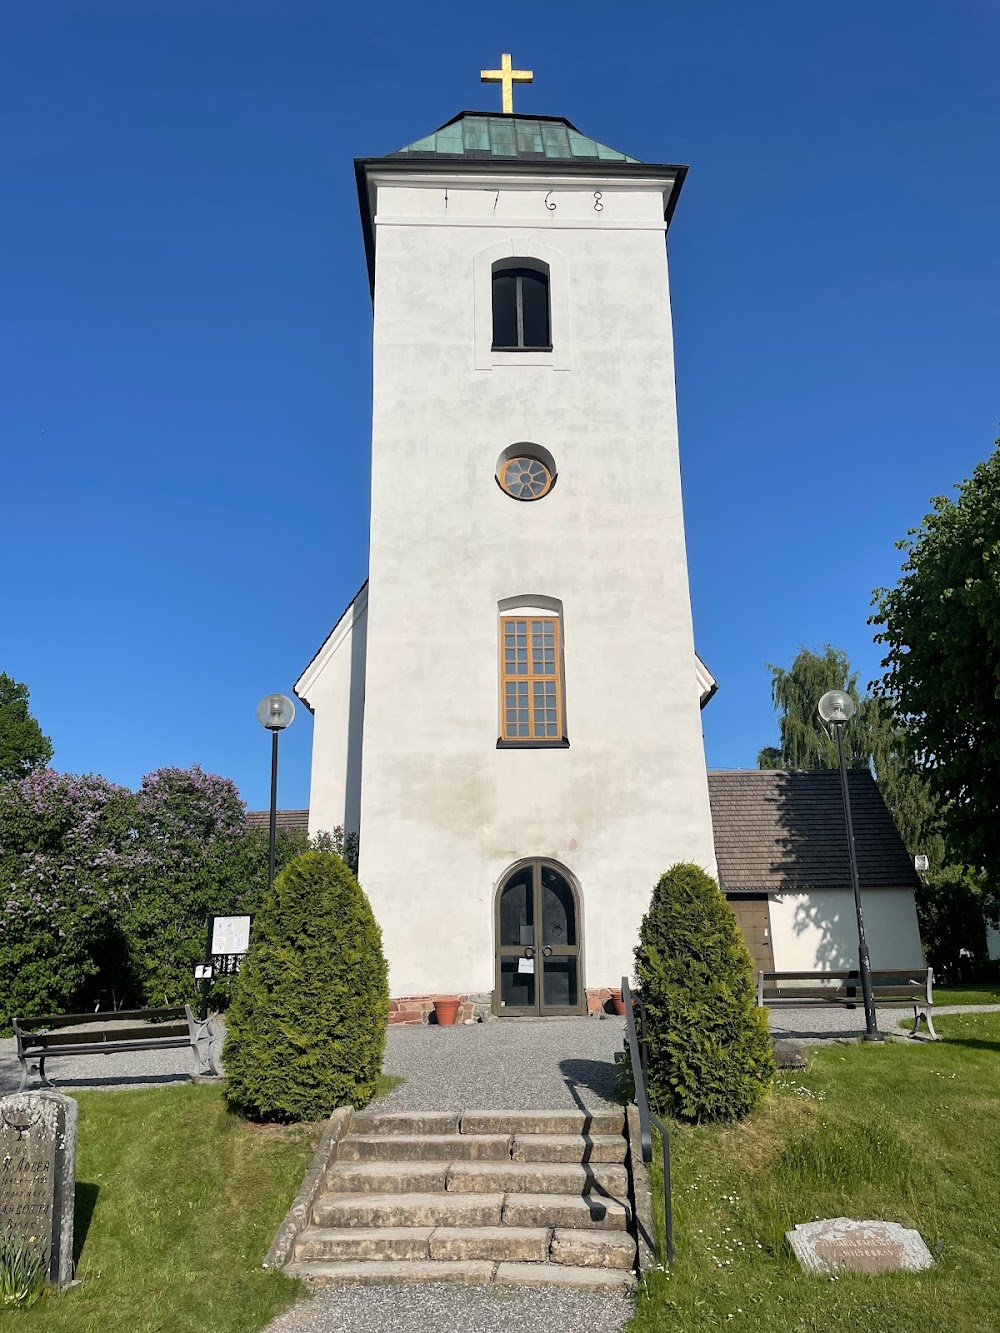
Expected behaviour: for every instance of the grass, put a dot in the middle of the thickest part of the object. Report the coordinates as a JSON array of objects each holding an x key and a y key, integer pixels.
[
  {"x": 910, "y": 1134},
  {"x": 177, "y": 1201},
  {"x": 984, "y": 992}
]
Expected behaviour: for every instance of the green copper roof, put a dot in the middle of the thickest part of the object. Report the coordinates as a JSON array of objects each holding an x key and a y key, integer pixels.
[{"x": 478, "y": 136}]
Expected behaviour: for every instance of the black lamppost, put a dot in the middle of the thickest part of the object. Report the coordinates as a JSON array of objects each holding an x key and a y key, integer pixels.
[
  {"x": 275, "y": 713},
  {"x": 836, "y": 708}
]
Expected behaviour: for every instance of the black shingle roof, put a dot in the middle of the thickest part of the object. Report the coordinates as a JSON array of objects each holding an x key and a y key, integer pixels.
[{"x": 779, "y": 831}]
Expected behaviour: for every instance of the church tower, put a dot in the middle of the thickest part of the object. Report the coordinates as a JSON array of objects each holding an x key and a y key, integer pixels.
[{"x": 509, "y": 711}]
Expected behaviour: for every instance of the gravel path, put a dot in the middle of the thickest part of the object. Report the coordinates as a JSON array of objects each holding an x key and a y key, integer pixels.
[
  {"x": 815, "y": 1024},
  {"x": 542, "y": 1064},
  {"x": 547, "y": 1064},
  {"x": 441, "y": 1307}
]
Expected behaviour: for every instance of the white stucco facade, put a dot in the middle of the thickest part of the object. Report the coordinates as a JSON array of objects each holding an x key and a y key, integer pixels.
[
  {"x": 333, "y": 685},
  {"x": 818, "y": 930},
  {"x": 444, "y": 812}
]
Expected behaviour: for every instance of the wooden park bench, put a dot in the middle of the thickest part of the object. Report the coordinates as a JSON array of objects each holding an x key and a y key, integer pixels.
[
  {"x": 890, "y": 986},
  {"x": 39, "y": 1039}
]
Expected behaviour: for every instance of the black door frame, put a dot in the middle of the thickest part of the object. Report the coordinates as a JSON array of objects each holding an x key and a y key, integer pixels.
[{"x": 540, "y": 1010}]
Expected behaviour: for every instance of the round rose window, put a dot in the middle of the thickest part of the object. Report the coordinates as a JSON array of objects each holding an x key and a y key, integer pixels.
[{"x": 525, "y": 478}]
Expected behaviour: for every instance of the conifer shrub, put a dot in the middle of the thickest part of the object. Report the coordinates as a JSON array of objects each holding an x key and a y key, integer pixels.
[
  {"x": 307, "y": 1022},
  {"x": 710, "y": 1055}
]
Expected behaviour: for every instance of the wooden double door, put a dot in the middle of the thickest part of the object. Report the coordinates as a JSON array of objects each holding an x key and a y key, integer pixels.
[{"x": 538, "y": 944}]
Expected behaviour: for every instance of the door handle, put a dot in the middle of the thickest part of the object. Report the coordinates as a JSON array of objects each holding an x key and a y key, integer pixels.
[
  {"x": 529, "y": 953},
  {"x": 547, "y": 951}
]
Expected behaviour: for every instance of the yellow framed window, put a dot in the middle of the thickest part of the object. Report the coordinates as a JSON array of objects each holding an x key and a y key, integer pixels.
[{"x": 530, "y": 685}]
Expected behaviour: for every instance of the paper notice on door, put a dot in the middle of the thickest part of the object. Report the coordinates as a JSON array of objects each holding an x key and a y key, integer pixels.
[{"x": 526, "y": 965}]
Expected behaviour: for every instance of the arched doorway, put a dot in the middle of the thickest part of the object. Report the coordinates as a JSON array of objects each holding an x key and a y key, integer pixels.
[{"x": 538, "y": 943}]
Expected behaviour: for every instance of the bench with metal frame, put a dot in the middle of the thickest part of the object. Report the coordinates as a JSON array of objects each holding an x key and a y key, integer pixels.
[
  {"x": 890, "y": 986},
  {"x": 41, "y": 1039}
]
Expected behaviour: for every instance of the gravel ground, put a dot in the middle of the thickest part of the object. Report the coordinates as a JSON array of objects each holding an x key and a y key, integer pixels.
[
  {"x": 441, "y": 1307},
  {"x": 816, "y": 1024},
  {"x": 547, "y": 1064}
]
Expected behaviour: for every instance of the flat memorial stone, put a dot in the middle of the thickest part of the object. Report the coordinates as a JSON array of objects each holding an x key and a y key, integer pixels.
[
  {"x": 841, "y": 1244},
  {"x": 38, "y": 1175}
]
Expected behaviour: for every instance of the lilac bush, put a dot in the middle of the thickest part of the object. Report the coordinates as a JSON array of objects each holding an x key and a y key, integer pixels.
[
  {"x": 104, "y": 891},
  {"x": 66, "y": 846}
]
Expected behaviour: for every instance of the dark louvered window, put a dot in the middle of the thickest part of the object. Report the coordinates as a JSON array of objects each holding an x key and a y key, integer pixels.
[{"x": 521, "y": 310}]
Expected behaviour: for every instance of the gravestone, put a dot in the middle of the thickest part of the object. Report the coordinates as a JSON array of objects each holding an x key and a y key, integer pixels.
[
  {"x": 38, "y": 1175},
  {"x": 840, "y": 1244}
]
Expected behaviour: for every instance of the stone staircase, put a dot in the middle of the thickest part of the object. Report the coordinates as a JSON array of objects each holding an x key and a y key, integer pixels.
[{"x": 526, "y": 1197}]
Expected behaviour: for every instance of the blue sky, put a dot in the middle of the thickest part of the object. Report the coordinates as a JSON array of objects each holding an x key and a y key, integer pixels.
[{"x": 185, "y": 326}]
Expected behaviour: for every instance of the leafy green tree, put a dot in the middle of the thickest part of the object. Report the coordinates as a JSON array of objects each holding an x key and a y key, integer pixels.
[
  {"x": 940, "y": 631},
  {"x": 951, "y": 907},
  {"x": 873, "y": 739},
  {"x": 710, "y": 1055},
  {"x": 23, "y": 747},
  {"x": 804, "y": 740},
  {"x": 951, "y": 901},
  {"x": 307, "y": 1023}
]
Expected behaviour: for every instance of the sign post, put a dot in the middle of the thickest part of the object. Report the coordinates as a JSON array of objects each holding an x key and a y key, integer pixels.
[{"x": 226, "y": 943}]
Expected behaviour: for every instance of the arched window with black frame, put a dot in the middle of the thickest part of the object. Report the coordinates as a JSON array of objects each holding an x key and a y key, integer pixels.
[{"x": 521, "y": 320}]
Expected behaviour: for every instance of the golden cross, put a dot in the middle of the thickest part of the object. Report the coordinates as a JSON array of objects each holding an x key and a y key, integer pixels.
[{"x": 506, "y": 77}]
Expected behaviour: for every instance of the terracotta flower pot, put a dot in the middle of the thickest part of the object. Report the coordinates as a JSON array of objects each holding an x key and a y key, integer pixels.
[
  {"x": 446, "y": 1011},
  {"x": 618, "y": 1002}
]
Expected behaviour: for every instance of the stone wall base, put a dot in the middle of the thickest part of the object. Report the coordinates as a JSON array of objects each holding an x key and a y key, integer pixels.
[
  {"x": 599, "y": 1001},
  {"x": 478, "y": 1007},
  {"x": 474, "y": 1008}
]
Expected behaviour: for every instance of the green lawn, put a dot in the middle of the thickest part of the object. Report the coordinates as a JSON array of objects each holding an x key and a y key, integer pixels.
[
  {"x": 906, "y": 1133},
  {"x": 177, "y": 1201},
  {"x": 984, "y": 992}
]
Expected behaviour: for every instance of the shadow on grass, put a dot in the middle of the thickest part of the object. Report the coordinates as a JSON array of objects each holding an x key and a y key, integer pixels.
[
  {"x": 84, "y": 1203},
  {"x": 973, "y": 1043}
]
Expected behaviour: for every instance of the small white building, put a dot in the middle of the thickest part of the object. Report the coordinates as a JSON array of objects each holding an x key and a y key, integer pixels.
[
  {"x": 784, "y": 865},
  {"x": 509, "y": 710}
]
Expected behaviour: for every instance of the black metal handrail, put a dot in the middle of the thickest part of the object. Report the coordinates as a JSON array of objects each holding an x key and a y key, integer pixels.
[{"x": 638, "y": 1055}]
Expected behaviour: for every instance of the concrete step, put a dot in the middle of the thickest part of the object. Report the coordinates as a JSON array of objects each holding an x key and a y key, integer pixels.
[
  {"x": 334, "y": 1244},
  {"x": 387, "y": 1177},
  {"x": 561, "y": 1210},
  {"x": 406, "y": 1122},
  {"x": 370, "y": 1273},
  {"x": 375, "y": 1272},
  {"x": 540, "y": 1122},
  {"x": 476, "y": 1178},
  {"x": 525, "y": 1244},
  {"x": 537, "y": 1178},
  {"x": 567, "y": 1147},
  {"x": 555, "y": 1275},
  {"x": 584, "y": 1249},
  {"x": 429, "y": 1148},
  {"x": 591, "y": 1249},
  {"x": 433, "y": 1209}
]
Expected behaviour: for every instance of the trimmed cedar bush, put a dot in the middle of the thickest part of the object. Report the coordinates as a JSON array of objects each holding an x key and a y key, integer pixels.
[
  {"x": 710, "y": 1055},
  {"x": 310, "y": 1006}
]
